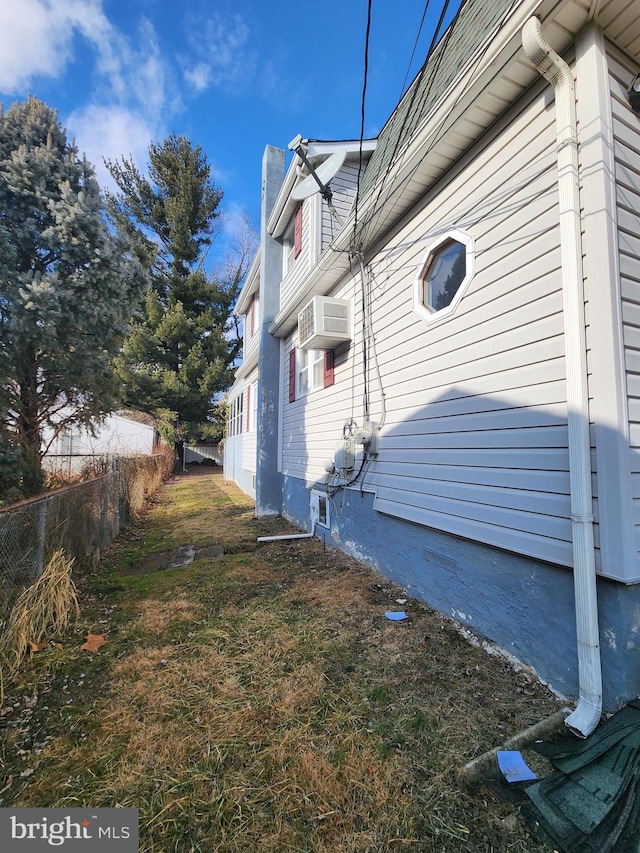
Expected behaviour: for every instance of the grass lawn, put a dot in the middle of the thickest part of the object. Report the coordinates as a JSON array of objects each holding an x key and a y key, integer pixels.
[{"x": 260, "y": 701}]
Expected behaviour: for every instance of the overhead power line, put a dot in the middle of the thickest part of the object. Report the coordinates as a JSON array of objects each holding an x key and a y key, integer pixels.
[
  {"x": 415, "y": 47},
  {"x": 362, "y": 109}
]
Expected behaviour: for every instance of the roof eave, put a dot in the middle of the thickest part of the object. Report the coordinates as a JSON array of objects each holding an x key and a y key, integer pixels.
[
  {"x": 285, "y": 206},
  {"x": 249, "y": 288},
  {"x": 434, "y": 137}
]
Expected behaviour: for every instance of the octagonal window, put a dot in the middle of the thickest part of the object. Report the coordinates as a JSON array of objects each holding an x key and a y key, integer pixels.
[
  {"x": 445, "y": 272},
  {"x": 443, "y": 275}
]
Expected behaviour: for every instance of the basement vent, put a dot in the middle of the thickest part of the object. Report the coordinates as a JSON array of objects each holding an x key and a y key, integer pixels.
[
  {"x": 324, "y": 323},
  {"x": 439, "y": 559}
]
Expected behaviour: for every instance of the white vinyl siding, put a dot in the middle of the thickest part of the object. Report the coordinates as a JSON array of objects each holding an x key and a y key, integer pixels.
[
  {"x": 614, "y": 530},
  {"x": 475, "y": 439},
  {"x": 240, "y": 446},
  {"x": 296, "y": 268},
  {"x": 311, "y": 425},
  {"x": 343, "y": 187},
  {"x": 249, "y": 444},
  {"x": 627, "y": 171},
  {"x": 251, "y": 331}
]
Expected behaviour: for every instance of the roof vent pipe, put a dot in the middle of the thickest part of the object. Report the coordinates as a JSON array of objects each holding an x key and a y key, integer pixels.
[{"x": 556, "y": 71}]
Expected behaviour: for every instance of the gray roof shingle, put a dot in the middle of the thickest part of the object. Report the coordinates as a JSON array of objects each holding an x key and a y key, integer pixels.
[{"x": 474, "y": 23}]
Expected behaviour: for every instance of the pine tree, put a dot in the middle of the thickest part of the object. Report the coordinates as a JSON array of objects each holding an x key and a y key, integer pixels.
[
  {"x": 68, "y": 286},
  {"x": 179, "y": 356}
]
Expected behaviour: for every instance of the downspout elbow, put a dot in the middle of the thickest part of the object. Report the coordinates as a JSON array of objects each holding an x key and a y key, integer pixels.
[{"x": 547, "y": 62}]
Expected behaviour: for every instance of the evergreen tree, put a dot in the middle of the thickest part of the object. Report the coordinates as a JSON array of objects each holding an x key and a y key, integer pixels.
[
  {"x": 68, "y": 286},
  {"x": 179, "y": 356}
]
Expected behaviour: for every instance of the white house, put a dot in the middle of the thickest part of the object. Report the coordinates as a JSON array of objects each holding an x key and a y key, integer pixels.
[
  {"x": 447, "y": 371},
  {"x": 124, "y": 434},
  {"x": 240, "y": 454}
]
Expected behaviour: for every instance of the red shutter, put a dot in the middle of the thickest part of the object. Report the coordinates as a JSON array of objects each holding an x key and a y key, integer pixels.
[
  {"x": 297, "y": 232},
  {"x": 329, "y": 375},
  {"x": 248, "y": 407},
  {"x": 292, "y": 375}
]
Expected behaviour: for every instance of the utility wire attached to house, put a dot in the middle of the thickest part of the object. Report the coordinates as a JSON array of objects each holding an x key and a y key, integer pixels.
[
  {"x": 399, "y": 187},
  {"x": 340, "y": 479},
  {"x": 408, "y": 112},
  {"x": 365, "y": 75}
]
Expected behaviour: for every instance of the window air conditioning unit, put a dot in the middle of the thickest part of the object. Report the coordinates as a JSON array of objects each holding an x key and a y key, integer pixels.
[{"x": 324, "y": 323}]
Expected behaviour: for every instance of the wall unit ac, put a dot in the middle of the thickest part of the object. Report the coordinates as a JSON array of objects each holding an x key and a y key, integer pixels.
[{"x": 324, "y": 323}]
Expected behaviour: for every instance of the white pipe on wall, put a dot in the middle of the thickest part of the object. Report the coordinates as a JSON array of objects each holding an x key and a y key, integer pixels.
[
  {"x": 285, "y": 536},
  {"x": 556, "y": 71}
]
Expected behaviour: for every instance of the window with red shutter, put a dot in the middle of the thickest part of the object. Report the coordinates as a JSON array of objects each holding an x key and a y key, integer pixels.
[
  {"x": 292, "y": 375},
  {"x": 297, "y": 232},
  {"x": 329, "y": 373}
]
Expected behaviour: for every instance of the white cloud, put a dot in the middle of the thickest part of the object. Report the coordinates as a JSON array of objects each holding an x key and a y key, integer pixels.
[
  {"x": 33, "y": 40},
  {"x": 110, "y": 133},
  {"x": 225, "y": 58},
  {"x": 199, "y": 77},
  {"x": 36, "y": 37},
  {"x": 134, "y": 83},
  {"x": 148, "y": 75},
  {"x": 131, "y": 81}
]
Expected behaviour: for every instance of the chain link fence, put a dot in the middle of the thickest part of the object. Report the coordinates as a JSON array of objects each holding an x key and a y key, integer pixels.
[{"x": 82, "y": 520}]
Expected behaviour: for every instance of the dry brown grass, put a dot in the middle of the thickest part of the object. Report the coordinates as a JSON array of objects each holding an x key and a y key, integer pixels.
[
  {"x": 154, "y": 614},
  {"x": 43, "y": 610},
  {"x": 261, "y": 702}
]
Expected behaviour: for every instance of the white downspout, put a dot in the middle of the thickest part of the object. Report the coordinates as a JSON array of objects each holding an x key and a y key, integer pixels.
[{"x": 556, "y": 71}]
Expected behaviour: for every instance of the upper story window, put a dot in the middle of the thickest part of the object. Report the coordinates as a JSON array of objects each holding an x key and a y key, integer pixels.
[
  {"x": 251, "y": 322},
  {"x": 297, "y": 231},
  {"x": 293, "y": 240},
  {"x": 446, "y": 270}
]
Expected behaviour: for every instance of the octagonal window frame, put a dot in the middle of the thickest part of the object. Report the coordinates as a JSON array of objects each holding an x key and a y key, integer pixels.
[{"x": 430, "y": 315}]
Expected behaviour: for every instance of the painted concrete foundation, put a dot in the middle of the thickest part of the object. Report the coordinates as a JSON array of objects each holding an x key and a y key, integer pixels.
[{"x": 523, "y": 606}]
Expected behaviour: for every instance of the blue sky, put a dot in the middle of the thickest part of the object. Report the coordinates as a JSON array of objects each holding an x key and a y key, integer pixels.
[{"x": 233, "y": 76}]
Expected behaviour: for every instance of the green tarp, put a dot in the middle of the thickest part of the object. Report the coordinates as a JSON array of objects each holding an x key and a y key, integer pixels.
[{"x": 591, "y": 805}]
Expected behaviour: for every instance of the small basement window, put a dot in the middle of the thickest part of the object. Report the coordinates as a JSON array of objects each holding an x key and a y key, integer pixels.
[
  {"x": 319, "y": 508},
  {"x": 446, "y": 271}
]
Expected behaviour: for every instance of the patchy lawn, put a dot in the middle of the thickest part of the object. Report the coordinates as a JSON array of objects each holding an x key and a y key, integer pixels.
[{"x": 260, "y": 701}]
